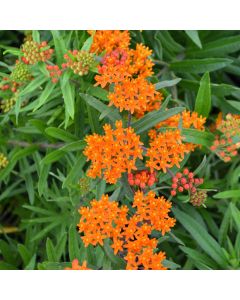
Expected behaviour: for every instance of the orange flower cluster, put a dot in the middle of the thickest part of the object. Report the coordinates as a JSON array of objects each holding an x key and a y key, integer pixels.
[
  {"x": 166, "y": 150},
  {"x": 188, "y": 119},
  {"x": 128, "y": 69},
  {"x": 34, "y": 52},
  {"x": 97, "y": 222},
  {"x": 224, "y": 145},
  {"x": 109, "y": 40},
  {"x": 131, "y": 237},
  {"x": 135, "y": 95},
  {"x": 76, "y": 266},
  {"x": 114, "y": 153}
]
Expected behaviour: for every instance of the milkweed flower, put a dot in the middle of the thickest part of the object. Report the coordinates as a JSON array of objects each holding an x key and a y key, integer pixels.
[
  {"x": 113, "y": 153},
  {"x": 7, "y": 104},
  {"x": 108, "y": 40},
  {"x": 134, "y": 95},
  {"x": 188, "y": 119},
  {"x": 166, "y": 150},
  {"x": 131, "y": 236},
  {"x": 104, "y": 219},
  {"x": 76, "y": 266},
  {"x": 121, "y": 64}
]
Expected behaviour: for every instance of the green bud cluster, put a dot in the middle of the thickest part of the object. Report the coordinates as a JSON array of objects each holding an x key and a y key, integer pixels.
[
  {"x": 21, "y": 72},
  {"x": 81, "y": 63},
  {"x": 3, "y": 161},
  {"x": 84, "y": 185},
  {"x": 7, "y": 104},
  {"x": 198, "y": 198}
]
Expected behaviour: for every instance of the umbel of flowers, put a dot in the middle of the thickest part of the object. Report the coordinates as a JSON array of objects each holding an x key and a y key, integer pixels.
[{"x": 131, "y": 236}]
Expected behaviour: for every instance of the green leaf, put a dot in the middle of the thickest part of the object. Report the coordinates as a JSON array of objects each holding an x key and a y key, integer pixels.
[
  {"x": 87, "y": 44},
  {"x": 45, "y": 94},
  {"x": 101, "y": 107},
  {"x": 167, "y": 83},
  {"x": 200, "y": 65},
  {"x": 201, "y": 236},
  {"x": 227, "y": 194},
  {"x": 24, "y": 253},
  {"x": 201, "y": 166},
  {"x": 36, "y": 36},
  {"x": 153, "y": 118},
  {"x": 203, "y": 100},
  {"x": 68, "y": 96},
  {"x": 75, "y": 172},
  {"x": 198, "y": 137},
  {"x": 60, "y": 47},
  {"x": 193, "y": 35},
  {"x": 51, "y": 252},
  {"x": 73, "y": 245},
  {"x": 60, "y": 134},
  {"x": 201, "y": 258},
  {"x": 236, "y": 215},
  {"x": 220, "y": 47}
]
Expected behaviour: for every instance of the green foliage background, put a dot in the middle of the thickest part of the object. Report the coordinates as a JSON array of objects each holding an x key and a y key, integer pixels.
[{"x": 40, "y": 191}]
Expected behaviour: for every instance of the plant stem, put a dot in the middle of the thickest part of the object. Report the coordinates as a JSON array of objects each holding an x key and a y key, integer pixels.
[{"x": 40, "y": 145}]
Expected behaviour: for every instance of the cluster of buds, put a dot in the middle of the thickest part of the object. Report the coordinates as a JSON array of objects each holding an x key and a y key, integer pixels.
[
  {"x": 7, "y": 84},
  {"x": 224, "y": 145},
  {"x": 34, "y": 52},
  {"x": 84, "y": 185},
  {"x": 54, "y": 72},
  {"x": 7, "y": 104},
  {"x": 225, "y": 148},
  {"x": 198, "y": 198},
  {"x": 3, "y": 161},
  {"x": 79, "y": 61},
  {"x": 185, "y": 181},
  {"x": 21, "y": 72},
  {"x": 142, "y": 178}
]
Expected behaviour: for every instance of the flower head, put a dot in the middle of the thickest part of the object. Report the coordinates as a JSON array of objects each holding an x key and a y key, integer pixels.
[
  {"x": 108, "y": 40},
  {"x": 113, "y": 153},
  {"x": 135, "y": 95},
  {"x": 166, "y": 150}
]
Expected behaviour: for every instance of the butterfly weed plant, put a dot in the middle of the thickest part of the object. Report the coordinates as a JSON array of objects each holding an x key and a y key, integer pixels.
[{"x": 119, "y": 150}]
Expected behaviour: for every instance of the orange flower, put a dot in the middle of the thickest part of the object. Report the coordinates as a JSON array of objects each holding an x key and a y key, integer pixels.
[
  {"x": 131, "y": 237},
  {"x": 76, "y": 266},
  {"x": 189, "y": 120},
  {"x": 114, "y": 68},
  {"x": 140, "y": 64},
  {"x": 135, "y": 95},
  {"x": 121, "y": 64},
  {"x": 108, "y": 40},
  {"x": 154, "y": 210},
  {"x": 114, "y": 153},
  {"x": 97, "y": 221},
  {"x": 166, "y": 151}
]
